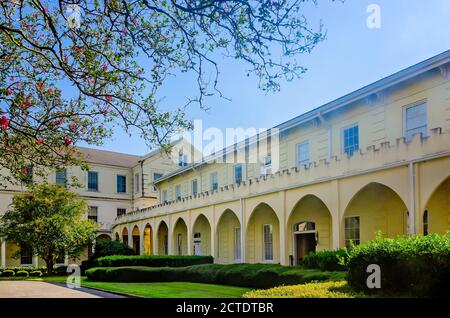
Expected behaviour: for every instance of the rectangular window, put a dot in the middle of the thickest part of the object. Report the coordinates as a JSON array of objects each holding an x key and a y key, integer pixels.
[
  {"x": 177, "y": 192},
  {"x": 61, "y": 177},
  {"x": 238, "y": 173},
  {"x": 352, "y": 228},
  {"x": 266, "y": 168},
  {"x": 237, "y": 243},
  {"x": 121, "y": 184},
  {"x": 179, "y": 244},
  {"x": 121, "y": 211},
  {"x": 416, "y": 121},
  {"x": 214, "y": 181},
  {"x": 93, "y": 213},
  {"x": 182, "y": 160},
  {"x": 268, "y": 242},
  {"x": 26, "y": 255},
  {"x": 92, "y": 181},
  {"x": 164, "y": 196},
  {"x": 351, "y": 139},
  {"x": 303, "y": 154},
  {"x": 136, "y": 183},
  {"x": 194, "y": 187}
]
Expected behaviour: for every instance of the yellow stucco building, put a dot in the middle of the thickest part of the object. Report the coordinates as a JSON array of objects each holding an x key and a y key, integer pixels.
[{"x": 375, "y": 160}]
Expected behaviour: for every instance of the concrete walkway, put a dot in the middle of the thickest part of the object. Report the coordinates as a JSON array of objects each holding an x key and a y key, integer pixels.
[{"x": 37, "y": 289}]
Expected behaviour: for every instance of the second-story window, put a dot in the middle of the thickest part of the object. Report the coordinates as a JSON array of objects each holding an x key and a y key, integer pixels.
[
  {"x": 121, "y": 184},
  {"x": 416, "y": 121},
  {"x": 303, "y": 154},
  {"x": 92, "y": 181},
  {"x": 121, "y": 211},
  {"x": 164, "y": 196},
  {"x": 194, "y": 187},
  {"x": 136, "y": 183},
  {"x": 93, "y": 213},
  {"x": 351, "y": 139},
  {"x": 238, "y": 173},
  {"x": 214, "y": 181},
  {"x": 266, "y": 168},
  {"x": 178, "y": 192},
  {"x": 61, "y": 177}
]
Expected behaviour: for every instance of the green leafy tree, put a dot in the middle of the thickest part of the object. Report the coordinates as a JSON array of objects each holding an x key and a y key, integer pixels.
[
  {"x": 50, "y": 220},
  {"x": 73, "y": 70}
]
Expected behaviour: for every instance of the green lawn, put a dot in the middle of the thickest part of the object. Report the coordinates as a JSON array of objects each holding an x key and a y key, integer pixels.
[{"x": 163, "y": 290}]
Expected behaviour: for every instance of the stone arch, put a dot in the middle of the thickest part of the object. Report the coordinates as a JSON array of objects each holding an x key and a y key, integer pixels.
[
  {"x": 309, "y": 227},
  {"x": 136, "y": 240},
  {"x": 180, "y": 237},
  {"x": 163, "y": 238},
  {"x": 148, "y": 239},
  {"x": 117, "y": 236},
  {"x": 201, "y": 234},
  {"x": 228, "y": 238},
  {"x": 262, "y": 239},
  {"x": 435, "y": 218},
  {"x": 374, "y": 208}
]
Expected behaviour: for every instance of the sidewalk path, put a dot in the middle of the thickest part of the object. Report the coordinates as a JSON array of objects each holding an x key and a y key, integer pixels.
[{"x": 37, "y": 289}]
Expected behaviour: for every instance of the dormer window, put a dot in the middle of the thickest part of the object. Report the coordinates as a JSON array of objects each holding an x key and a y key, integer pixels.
[{"x": 182, "y": 160}]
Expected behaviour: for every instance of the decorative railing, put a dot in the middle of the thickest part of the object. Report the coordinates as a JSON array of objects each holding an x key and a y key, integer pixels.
[{"x": 383, "y": 155}]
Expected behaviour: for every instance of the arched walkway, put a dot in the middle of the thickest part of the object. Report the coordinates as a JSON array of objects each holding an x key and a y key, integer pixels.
[
  {"x": 436, "y": 217},
  {"x": 263, "y": 236},
  {"x": 117, "y": 237},
  {"x": 201, "y": 236},
  {"x": 136, "y": 240},
  {"x": 374, "y": 208},
  {"x": 125, "y": 236},
  {"x": 180, "y": 235},
  {"x": 229, "y": 247},
  {"x": 163, "y": 239},
  {"x": 309, "y": 228},
  {"x": 148, "y": 240}
]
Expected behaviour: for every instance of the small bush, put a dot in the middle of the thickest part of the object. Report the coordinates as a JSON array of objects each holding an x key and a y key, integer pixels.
[
  {"x": 21, "y": 274},
  {"x": 36, "y": 274},
  {"x": 8, "y": 273},
  {"x": 109, "y": 247},
  {"x": 243, "y": 275},
  {"x": 327, "y": 260},
  {"x": 60, "y": 270},
  {"x": 338, "y": 289},
  {"x": 418, "y": 266},
  {"x": 152, "y": 261}
]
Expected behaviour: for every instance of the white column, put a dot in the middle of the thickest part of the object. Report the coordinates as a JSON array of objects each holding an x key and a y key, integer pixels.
[
  {"x": 130, "y": 237},
  {"x": 412, "y": 200},
  {"x": 189, "y": 235},
  {"x": 35, "y": 261},
  {"x": 3, "y": 256},
  {"x": 282, "y": 232},
  {"x": 142, "y": 243}
]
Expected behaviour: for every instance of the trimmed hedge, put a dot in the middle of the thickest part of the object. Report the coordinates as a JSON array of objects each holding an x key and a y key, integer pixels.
[
  {"x": 327, "y": 260},
  {"x": 418, "y": 266},
  {"x": 22, "y": 274},
  {"x": 36, "y": 274},
  {"x": 8, "y": 273},
  {"x": 152, "y": 261},
  {"x": 243, "y": 275}
]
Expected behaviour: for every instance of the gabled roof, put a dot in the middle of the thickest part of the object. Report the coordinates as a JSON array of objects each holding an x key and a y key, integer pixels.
[{"x": 109, "y": 158}]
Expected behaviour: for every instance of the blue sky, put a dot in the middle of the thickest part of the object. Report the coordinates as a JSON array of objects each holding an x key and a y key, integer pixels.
[{"x": 352, "y": 56}]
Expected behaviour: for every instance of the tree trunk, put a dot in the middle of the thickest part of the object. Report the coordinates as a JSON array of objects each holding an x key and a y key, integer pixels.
[{"x": 49, "y": 262}]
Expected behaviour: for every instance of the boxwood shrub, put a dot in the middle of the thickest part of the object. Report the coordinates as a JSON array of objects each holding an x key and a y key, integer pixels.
[
  {"x": 327, "y": 260},
  {"x": 36, "y": 274},
  {"x": 151, "y": 261},
  {"x": 244, "y": 275},
  {"x": 416, "y": 266},
  {"x": 21, "y": 274},
  {"x": 8, "y": 273}
]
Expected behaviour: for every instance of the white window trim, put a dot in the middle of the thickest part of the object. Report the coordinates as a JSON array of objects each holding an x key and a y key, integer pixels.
[
  {"x": 178, "y": 186},
  {"x": 264, "y": 245},
  {"x": 296, "y": 152},
  {"x": 192, "y": 186},
  {"x": 211, "y": 180},
  {"x": 423, "y": 101},
  {"x": 352, "y": 216},
  {"x": 87, "y": 181},
  {"x": 342, "y": 137}
]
